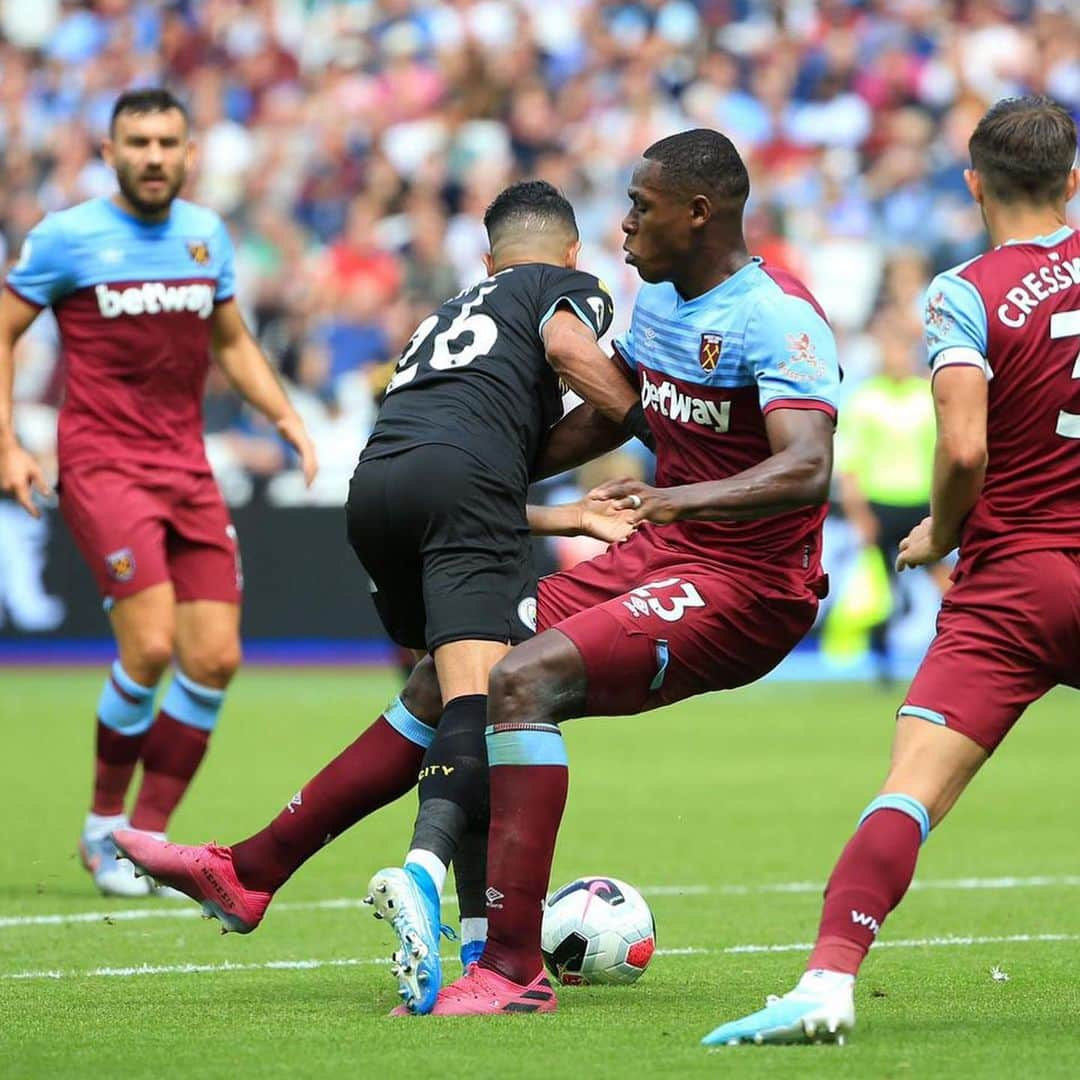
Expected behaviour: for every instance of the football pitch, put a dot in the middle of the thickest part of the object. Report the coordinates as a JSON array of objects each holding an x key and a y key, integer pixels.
[{"x": 727, "y": 812}]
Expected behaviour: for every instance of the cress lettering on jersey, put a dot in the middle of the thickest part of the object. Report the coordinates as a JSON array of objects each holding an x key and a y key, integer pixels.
[
  {"x": 475, "y": 374},
  {"x": 133, "y": 302},
  {"x": 710, "y": 369},
  {"x": 1038, "y": 285},
  {"x": 1014, "y": 312}
]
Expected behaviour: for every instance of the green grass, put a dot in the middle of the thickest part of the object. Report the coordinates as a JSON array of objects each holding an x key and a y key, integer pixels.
[{"x": 753, "y": 788}]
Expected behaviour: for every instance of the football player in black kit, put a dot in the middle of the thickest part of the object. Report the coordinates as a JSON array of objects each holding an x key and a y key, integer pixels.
[{"x": 436, "y": 513}]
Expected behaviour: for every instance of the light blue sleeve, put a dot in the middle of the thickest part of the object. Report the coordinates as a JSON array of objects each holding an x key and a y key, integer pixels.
[
  {"x": 792, "y": 352},
  {"x": 624, "y": 345},
  {"x": 955, "y": 317},
  {"x": 226, "y": 281},
  {"x": 44, "y": 272}
]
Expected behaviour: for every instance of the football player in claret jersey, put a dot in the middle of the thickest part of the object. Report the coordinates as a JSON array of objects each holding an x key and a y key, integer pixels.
[
  {"x": 735, "y": 369},
  {"x": 142, "y": 288},
  {"x": 1003, "y": 333}
]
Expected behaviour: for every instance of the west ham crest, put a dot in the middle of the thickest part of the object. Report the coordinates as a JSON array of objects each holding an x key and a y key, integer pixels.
[
  {"x": 199, "y": 250},
  {"x": 121, "y": 564},
  {"x": 709, "y": 354}
]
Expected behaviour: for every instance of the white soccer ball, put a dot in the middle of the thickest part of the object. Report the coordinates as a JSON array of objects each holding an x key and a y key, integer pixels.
[{"x": 597, "y": 930}]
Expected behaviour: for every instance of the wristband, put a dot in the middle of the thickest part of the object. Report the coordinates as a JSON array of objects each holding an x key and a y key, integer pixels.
[{"x": 634, "y": 423}]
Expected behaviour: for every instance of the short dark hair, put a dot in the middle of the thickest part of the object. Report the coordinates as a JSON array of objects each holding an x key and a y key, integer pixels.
[
  {"x": 148, "y": 100},
  {"x": 529, "y": 205},
  {"x": 701, "y": 162},
  {"x": 1023, "y": 149}
]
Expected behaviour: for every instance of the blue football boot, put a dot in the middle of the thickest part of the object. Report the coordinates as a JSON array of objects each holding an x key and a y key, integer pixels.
[
  {"x": 408, "y": 900},
  {"x": 820, "y": 1009}
]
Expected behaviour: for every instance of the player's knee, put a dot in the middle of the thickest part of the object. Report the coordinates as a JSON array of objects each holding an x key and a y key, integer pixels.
[
  {"x": 229, "y": 661},
  {"x": 213, "y": 666},
  {"x": 149, "y": 650},
  {"x": 421, "y": 694},
  {"x": 542, "y": 680},
  {"x": 516, "y": 689}
]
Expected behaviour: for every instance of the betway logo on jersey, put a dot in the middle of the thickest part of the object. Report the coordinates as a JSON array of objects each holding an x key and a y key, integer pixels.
[
  {"x": 668, "y": 400},
  {"x": 154, "y": 298}
]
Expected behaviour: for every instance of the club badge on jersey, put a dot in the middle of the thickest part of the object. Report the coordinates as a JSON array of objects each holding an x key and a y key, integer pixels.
[{"x": 709, "y": 353}]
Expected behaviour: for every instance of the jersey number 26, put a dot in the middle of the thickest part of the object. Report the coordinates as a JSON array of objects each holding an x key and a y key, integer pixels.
[{"x": 482, "y": 328}]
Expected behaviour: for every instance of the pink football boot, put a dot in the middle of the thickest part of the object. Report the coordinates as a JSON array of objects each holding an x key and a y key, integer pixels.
[
  {"x": 482, "y": 992},
  {"x": 205, "y": 873}
]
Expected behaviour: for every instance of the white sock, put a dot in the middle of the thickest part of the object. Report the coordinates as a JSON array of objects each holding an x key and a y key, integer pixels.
[
  {"x": 820, "y": 981},
  {"x": 98, "y": 826},
  {"x": 435, "y": 867},
  {"x": 473, "y": 930}
]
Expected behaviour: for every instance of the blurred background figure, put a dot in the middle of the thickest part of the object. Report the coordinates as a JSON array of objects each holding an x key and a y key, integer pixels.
[{"x": 885, "y": 453}]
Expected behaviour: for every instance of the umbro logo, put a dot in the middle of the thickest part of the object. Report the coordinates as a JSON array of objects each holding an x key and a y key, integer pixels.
[
  {"x": 296, "y": 802},
  {"x": 494, "y": 897}
]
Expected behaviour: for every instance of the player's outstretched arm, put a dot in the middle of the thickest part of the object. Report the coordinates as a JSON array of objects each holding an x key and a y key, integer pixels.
[
  {"x": 796, "y": 474},
  {"x": 960, "y": 401},
  {"x": 587, "y": 516},
  {"x": 20, "y": 474},
  {"x": 247, "y": 369}
]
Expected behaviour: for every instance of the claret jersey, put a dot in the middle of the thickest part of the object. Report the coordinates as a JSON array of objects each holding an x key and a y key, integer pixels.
[
  {"x": 710, "y": 369},
  {"x": 133, "y": 301},
  {"x": 1014, "y": 312}
]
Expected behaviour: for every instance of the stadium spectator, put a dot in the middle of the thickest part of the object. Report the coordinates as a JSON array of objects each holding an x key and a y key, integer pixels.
[{"x": 353, "y": 146}]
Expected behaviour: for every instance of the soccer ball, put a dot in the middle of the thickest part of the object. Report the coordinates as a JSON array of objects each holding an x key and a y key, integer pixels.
[{"x": 597, "y": 930}]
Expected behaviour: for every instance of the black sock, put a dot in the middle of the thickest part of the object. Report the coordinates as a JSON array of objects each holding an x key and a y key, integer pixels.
[
  {"x": 453, "y": 778},
  {"x": 470, "y": 873}
]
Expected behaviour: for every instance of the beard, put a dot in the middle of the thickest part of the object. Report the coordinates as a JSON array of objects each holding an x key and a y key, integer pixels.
[{"x": 128, "y": 183}]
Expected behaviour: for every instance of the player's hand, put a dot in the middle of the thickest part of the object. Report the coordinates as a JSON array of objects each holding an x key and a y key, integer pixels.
[
  {"x": 600, "y": 519},
  {"x": 918, "y": 547},
  {"x": 20, "y": 476},
  {"x": 644, "y": 503},
  {"x": 292, "y": 430}
]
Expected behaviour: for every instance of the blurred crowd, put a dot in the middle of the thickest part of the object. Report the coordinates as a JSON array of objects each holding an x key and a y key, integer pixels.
[{"x": 352, "y": 146}]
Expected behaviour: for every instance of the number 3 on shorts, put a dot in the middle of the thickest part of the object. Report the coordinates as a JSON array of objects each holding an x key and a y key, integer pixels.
[{"x": 643, "y": 601}]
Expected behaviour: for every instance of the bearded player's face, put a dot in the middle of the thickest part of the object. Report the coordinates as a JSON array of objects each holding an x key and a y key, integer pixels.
[{"x": 151, "y": 154}]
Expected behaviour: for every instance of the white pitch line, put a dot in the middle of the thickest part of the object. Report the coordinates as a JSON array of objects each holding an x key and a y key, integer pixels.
[
  {"x": 311, "y": 965},
  {"x": 190, "y": 969},
  {"x": 171, "y": 910},
  {"x": 184, "y": 911}
]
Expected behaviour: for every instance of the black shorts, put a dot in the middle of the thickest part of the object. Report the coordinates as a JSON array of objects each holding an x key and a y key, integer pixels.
[{"x": 446, "y": 544}]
